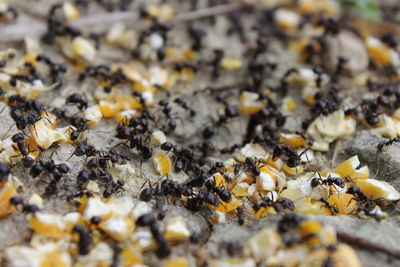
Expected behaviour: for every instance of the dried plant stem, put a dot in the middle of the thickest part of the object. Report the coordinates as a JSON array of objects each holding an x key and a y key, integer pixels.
[
  {"x": 100, "y": 21},
  {"x": 366, "y": 244}
]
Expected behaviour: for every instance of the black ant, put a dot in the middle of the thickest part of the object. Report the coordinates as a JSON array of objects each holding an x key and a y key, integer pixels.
[
  {"x": 84, "y": 239},
  {"x": 216, "y": 63},
  {"x": 229, "y": 113},
  {"x": 55, "y": 69},
  {"x": 251, "y": 166},
  {"x": 360, "y": 196},
  {"x": 279, "y": 205},
  {"x": 197, "y": 36},
  {"x": 116, "y": 256},
  {"x": 391, "y": 141},
  {"x": 223, "y": 193},
  {"x": 83, "y": 177},
  {"x": 28, "y": 208},
  {"x": 114, "y": 187},
  {"x": 289, "y": 221},
  {"x": 149, "y": 220},
  {"x": 78, "y": 100},
  {"x": 21, "y": 148},
  {"x": 4, "y": 171},
  {"x": 195, "y": 203},
  {"x": 332, "y": 208},
  {"x": 183, "y": 104},
  {"x": 328, "y": 181},
  {"x": 240, "y": 215}
]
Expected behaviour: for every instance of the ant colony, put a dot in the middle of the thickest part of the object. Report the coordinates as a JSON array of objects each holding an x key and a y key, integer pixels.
[{"x": 150, "y": 133}]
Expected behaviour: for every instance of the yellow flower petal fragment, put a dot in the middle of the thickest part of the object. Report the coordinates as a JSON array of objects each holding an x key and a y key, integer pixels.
[{"x": 162, "y": 163}]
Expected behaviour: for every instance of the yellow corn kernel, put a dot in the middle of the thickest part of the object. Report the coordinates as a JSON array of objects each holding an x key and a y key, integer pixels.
[
  {"x": 262, "y": 212},
  {"x": 189, "y": 54},
  {"x": 131, "y": 255},
  {"x": 219, "y": 180},
  {"x": 165, "y": 12},
  {"x": 277, "y": 163},
  {"x": 344, "y": 202},
  {"x": 362, "y": 173},
  {"x": 126, "y": 115},
  {"x": 343, "y": 255},
  {"x": 307, "y": 6},
  {"x": 46, "y": 224},
  {"x": 176, "y": 230},
  {"x": 241, "y": 190},
  {"x": 54, "y": 259},
  {"x": 127, "y": 102},
  {"x": 292, "y": 140},
  {"x": 218, "y": 217},
  {"x": 162, "y": 163},
  {"x": 117, "y": 227},
  {"x": 347, "y": 168},
  {"x": 83, "y": 49},
  {"x": 378, "y": 51},
  {"x": 250, "y": 103},
  {"x": 305, "y": 204},
  {"x": 310, "y": 99},
  {"x": 108, "y": 109},
  {"x": 70, "y": 11},
  {"x": 263, "y": 244},
  {"x": 227, "y": 207},
  {"x": 293, "y": 171},
  {"x": 286, "y": 20},
  {"x": 93, "y": 114},
  {"x": 186, "y": 74},
  {"x": 7, "y": 191},
  {"x": 378, "y": 189},
  {"x": 176, "y": 262},
  {"x": 289, "y": 104},
  {"x": 310, "y": 228},
  {"x": 31, "y": 58},
  {"x": 231, "y": 64}
]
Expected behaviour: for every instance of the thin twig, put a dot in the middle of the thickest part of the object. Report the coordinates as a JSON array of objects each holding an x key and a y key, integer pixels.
[
  {"x": 220, "y": 89},
  {"x": 364, "y": 243},
  {"x": 17, "y": 32}
]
